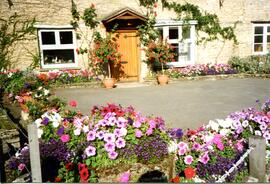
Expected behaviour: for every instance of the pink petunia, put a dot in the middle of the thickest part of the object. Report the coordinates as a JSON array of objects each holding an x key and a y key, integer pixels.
[
  {"x": 65, "y": 138},
  {"x": 188, "y": 159},
  {"x": 21, "y": 167},
  {"x": 109, "y": 137},
  {"x": 73, "y": 103},
  {"x": 204, "y": 158},
  {"x": 124, "y": 178},
  {"x": 112, "y": 155},
  {"x": 109, "y": 147},
  {"x": 91, "y": 135},
  {"x": 137, "y": 124},
  {"x": 149, "y": 131},
  {"x": 120, "y": 143},
  {"x": 138, "y": 133},
  {"x": 182, "y": 151}
]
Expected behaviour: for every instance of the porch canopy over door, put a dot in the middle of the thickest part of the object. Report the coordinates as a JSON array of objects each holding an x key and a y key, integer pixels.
[{"x": 125, "y": 23}]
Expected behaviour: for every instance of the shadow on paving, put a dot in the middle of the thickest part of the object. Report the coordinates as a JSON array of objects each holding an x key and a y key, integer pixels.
[{"x": 185, "y": 104}]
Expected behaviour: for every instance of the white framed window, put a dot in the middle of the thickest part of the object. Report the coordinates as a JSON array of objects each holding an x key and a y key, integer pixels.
[
  {"x": 57, "y": 47},
  {"x": 183, "y": 40},
  {"x": 261, "y": 38}
]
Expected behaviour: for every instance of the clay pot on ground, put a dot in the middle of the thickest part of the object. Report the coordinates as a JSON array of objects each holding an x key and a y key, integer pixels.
[
  {"x": 109, "y": 83},
  {"x": 163, "y": 79}
]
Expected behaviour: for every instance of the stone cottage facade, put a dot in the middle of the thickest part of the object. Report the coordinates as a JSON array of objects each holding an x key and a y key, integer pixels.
[{"x": 56, "y": 39}]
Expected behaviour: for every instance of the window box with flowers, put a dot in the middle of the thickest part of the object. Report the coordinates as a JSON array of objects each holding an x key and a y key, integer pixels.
[{"x": 159, "y": 52}]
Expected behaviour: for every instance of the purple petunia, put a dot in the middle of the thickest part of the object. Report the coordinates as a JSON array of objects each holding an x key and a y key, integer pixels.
[
  {"x": 109, "y": 137},
  {"x": 204, "y": 158},
  {"x": 60, "y": 131},
  {"x": 100, "y": 135},
  {"x": 45, "y": 121}
]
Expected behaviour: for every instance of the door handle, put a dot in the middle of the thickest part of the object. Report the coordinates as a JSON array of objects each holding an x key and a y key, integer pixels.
[{"x": 123, "y": 62}]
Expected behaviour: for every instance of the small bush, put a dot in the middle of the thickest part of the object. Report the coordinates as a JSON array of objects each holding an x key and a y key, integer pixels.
[{"x": 251, "y": 64}]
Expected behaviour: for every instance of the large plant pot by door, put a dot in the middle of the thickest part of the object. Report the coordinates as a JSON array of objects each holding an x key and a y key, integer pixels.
[
  {"x": 163, "y": 79},
  {"x": 109, "y": 82}
]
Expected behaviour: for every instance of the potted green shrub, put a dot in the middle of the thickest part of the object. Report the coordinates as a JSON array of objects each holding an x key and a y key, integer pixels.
[
  {"x": 105, "y": 51},
  {"x": 160, "y": 52}
]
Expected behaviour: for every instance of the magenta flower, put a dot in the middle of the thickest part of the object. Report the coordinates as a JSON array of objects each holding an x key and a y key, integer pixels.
[
  {"x": 109, "y": 147},
  {"x": 137, "y": 124},
  {"x": 21, "y": 166},
  {"x": 109, "y": 137},
  {"x": 90, "y": 151},
  {"x": 182, "y": 145},
  {"x": 124, "y": 178},
  {"x": 120, "y": 143},
  {"x": 239, "y": 146},
  {"x": 73, "y": 103},
  {"x": 188, "y": 159},
  {"x": 204, "y": 158},
  {"x": 65, "y": 138},
  {"x": 149, "y": 131},
  {"x": 182, "y": 151},
  {"x": 220, "y": 146},
  {"x": 152, "y": 124},
  {"x": 138, "y": 133},
  {"x": 113, "y": 155},
  {"x": 91, "y": 135},
  {"x": 196, "y": 146},
  {"x": 268, "y": 115}
]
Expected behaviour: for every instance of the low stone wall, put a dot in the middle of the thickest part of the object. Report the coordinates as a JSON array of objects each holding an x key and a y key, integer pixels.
[{"x": 166, "y": 166}]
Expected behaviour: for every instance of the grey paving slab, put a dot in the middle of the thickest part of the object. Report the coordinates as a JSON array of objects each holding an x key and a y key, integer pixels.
[{"x": 185, "y": 104}]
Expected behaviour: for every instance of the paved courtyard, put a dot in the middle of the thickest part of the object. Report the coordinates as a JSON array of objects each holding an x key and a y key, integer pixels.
[{"x": 184, "y": 104}]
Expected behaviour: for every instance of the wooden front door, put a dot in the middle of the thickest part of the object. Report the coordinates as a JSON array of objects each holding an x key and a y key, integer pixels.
[{"x": 128, "y": 68}]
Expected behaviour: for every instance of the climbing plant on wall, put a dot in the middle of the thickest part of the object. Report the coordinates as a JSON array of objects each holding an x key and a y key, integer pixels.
[{"x": 206, "y": 22}]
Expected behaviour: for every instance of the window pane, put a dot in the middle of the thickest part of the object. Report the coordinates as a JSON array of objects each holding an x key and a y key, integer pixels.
[
  {"x": 268, "y": 38},
  {"x": 186, "y": 32},
  {"x": 258, "y": 47},
  {"x": 258, "y": 39},
  {"x": 47, "y": 38},
  {"x": 268, "y": 29},
  {"x": 160, "y": 33},
  {"x": 175, "y": 47},
  {"x": 58, "y": 56},
  {"x": 259, "y": 30},
  {"x": 66, "y": 37},
  {"x": 173, "y": 33}
]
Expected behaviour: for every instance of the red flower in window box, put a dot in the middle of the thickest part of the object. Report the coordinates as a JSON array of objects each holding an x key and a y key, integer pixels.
[
  {"x": 176, "y": 179},
  {"x": 189, "y": 172},
  {"x": 69, "y": 166},
  {"x": 57, "y": 179},
  {"x": 84, "y": 174}
]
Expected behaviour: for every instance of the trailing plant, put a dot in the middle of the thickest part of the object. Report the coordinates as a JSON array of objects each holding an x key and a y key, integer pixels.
[
  {"x": 13, "y": 29},
  {"x": 206, "y": 22}
]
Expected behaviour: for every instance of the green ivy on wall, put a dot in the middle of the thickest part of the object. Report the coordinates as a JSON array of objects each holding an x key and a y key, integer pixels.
[{"x": 206, "y": 22}]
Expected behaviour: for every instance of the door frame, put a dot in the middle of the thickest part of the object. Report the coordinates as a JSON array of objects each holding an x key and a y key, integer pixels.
[{"x": 138, "y": 46}]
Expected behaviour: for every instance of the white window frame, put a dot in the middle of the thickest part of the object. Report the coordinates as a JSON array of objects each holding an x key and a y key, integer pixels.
[
  {"x": 264, "y": 34},
  {"x": 166, "y": 25},
  {"x": 57, "y": 45}
]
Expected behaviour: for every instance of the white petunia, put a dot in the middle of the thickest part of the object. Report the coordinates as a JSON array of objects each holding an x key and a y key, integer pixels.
[
  {"x": 172, "y": 148},
  {"x": 55, "y": 124},
  {"x": 213, "y": 125},
  {"x": 224, "y": 132},
  {"x": 245, "y": 123},
  {"x": 38, "y": 122},
  {"x": 46, "y": 92},
  {"x": 258, "y": 132},
  {"x": 85, "y": 128},
  {"x": 77, "y": 131}
]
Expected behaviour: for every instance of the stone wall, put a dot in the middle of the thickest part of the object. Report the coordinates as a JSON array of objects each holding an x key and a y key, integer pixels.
[{"x": 51, "y": 12}]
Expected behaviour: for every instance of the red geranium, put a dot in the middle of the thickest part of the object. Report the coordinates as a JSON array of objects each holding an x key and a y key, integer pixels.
[
  {"x": 176, "y": 179},
  {"x": 69, "y": 166},
  {"x": 81, "y": 166},
  {"x": 73, "y": 103},
  {"x": 189, "y": 172},
  {"x": 84, "y": 174},
  {"x": 57, "y": 179}
]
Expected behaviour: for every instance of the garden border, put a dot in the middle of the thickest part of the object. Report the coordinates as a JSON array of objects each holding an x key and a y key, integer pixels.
[{"x": 153, "y": 81}]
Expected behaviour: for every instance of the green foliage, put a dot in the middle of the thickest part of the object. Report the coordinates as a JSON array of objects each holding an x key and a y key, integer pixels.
[
  {"x": 251, "y": 64},
  {"x": 89, "y": 17},
  {"x": 13, "y": 29},
  {"x": 207, "y": 22}
]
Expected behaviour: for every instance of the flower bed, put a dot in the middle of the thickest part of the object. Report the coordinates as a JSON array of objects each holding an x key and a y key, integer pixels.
[
  {"x": 201, "y": 70},
  {"x": 116, "y": 144}
]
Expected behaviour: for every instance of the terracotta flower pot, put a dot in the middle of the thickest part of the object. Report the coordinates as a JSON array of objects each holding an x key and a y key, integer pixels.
[
  {"x": 163, "y": 79},
  {"x": 109, "y": 82}
]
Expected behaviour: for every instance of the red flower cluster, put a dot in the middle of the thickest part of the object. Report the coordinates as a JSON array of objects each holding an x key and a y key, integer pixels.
[
  {"x": 84, "y": 173},
  {"x": 73, "y": 103},
  {"x": 109, "y": 109},
  {"x": 70, "y": 166},
  {"x": 189, "y": 172},
  {"x": 176, "y": 179}
]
